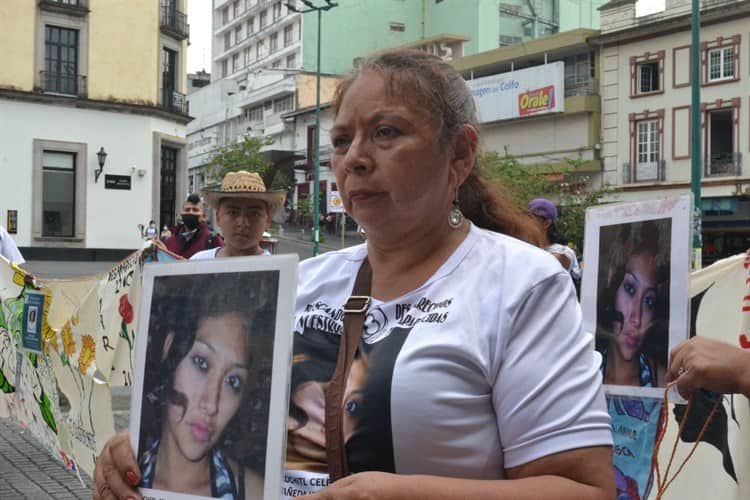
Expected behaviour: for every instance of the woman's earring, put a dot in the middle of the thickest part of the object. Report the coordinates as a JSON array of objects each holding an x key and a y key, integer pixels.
[
  {"x": 455, "y": 216},
  {"x": 361, "y": 231}
]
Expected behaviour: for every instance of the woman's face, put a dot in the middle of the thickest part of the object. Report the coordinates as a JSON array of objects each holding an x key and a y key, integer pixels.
[
  {"x": 635, "y": 299},
  {"x": 211, "y": 377},
  {"x": 389, "y": 165}
]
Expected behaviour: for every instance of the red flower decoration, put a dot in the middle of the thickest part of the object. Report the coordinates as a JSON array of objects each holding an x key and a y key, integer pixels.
[{"x": 126, "y": 310}]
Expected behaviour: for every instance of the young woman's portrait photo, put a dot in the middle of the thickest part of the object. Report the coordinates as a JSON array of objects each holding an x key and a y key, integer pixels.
[
  {"x": 207, "y": 383},
  {"x": 632, "y": 327}
]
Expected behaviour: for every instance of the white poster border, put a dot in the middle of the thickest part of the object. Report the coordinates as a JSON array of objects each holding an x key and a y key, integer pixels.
[
  {"x": 679, "y": 210},
  {"x": 286, "y": 265}
]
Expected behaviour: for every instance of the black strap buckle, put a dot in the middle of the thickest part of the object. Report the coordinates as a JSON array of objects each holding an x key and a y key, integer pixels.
[{"x": 356, "y": 304}]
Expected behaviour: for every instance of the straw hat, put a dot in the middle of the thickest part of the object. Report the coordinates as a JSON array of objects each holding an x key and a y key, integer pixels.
[{"x": 243, "y": 184}]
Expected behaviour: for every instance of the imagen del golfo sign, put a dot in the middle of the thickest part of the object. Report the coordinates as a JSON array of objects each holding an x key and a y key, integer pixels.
[{"x": 530, "y": 91}]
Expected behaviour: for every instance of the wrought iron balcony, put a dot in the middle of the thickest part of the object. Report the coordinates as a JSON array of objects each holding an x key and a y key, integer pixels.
[
  {"x": 724, "y": 164},
  {"x": 62, "y": 83},
  {"x": 174, "y": 102},
  {"x": 173, "y": 22},
  {"x": 644, "y": 172},
  {"x": 71, "y": 7}
]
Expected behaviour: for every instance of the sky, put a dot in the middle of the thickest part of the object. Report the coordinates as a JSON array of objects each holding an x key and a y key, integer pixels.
[{"x": 199, "y": 50}]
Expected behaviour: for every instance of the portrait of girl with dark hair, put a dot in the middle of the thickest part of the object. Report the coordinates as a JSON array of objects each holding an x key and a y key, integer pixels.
[
  {"x": 204, "y": 414},
  {"x": 633, "y": 302}
]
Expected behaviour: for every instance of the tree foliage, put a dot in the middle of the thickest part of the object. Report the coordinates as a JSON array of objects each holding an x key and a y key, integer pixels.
[
  {"x": 247, "y": 155},
  {"x": 572, "y": 194}
]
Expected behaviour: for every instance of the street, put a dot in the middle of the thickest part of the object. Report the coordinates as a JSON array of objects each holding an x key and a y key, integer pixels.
[{"x": 28, "y": 471}]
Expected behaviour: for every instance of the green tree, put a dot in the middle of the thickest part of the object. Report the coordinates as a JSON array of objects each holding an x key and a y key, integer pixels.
[
  {"x": 247, "y": 155},
  {"x": 572, "y": 194}
]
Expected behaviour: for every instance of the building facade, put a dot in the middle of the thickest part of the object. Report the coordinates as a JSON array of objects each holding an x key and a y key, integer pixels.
[
  {"x": 269, "y": 54},
  {"x": 646, "y": 111},
  {"x": 92, "y": 123},
  {"x": 539, "y": 101}
]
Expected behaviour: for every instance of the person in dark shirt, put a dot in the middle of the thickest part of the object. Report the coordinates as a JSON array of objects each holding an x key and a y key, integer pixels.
[{"x": 193, "y": 234}]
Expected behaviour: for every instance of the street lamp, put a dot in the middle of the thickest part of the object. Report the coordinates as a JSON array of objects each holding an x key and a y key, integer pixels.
[
  {"x": 311, "y": 7},
  {"x": 102, "y": 156},
  {"x": 695, "y": 153}
]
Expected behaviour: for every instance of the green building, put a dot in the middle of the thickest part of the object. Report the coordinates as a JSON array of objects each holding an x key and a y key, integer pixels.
[{"x": 451, "y": 28}]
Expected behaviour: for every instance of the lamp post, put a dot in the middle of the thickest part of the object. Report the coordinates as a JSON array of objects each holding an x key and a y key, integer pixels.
[
  {"x": 695, "y": 151},
  {"x": 102, "y": 157},
  {"x": 311, "y": 7}
]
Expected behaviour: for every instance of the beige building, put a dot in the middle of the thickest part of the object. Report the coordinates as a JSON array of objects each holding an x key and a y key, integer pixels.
[
  {"x": 561, "y": 71},
  {"x": 646, "y": 110},
  {"x": 79, "y": 78}
]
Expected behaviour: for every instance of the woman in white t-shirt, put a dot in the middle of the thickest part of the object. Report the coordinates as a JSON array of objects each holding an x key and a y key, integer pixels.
[
  {"x": 476, "y": 379},
  {"x": 244, "y": 209}
]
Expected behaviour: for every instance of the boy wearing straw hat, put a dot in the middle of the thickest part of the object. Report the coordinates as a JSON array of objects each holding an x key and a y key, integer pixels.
[{"x": 244, "y": 209}]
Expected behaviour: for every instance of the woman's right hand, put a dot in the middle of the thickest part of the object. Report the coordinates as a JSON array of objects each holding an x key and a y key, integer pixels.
[{"x": 116, "y": 472}]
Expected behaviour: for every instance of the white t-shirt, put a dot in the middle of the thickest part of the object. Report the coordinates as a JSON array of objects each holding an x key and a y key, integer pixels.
[
  {"x": 211, "y": 254},
  {"x": 8, "y": 248},
  {"x": 482, "y": 368},
  {"x": 565, "y": 250}
]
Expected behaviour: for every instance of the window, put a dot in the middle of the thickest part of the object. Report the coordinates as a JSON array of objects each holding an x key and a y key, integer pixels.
[
  {"x": 259, "y": 50},
  {"x": 58, "y": 194},
  {"x": 720, "y": 142},
  {"x": 251, "y": 25},
  {"x": 720, "y": 60},
  {"x": 288, "y": 35},
  {"x": 236, "y": 8},
  {"x": 273, "y": 44},
  {"x": 225, "y": 67},
  {"x": 647, "y": 74},
  {"x": 225, "y": 15},
  {"x": 283, "y": 104},
  {"x": 227, "y": 40},
  {"x": 276, "y": 11},
  {"x": 254, "y": 114},
  {"x": 246, "y": 55},
  {"x": 647, "y": 153},
  {"x": 648, "y": 77},
  {"x": 276, "y": 64},
  {"x": 60, "y": 60},
  {"x": 170, "y": 99},
  {"x": 236, "y": 62},
  {"x": 721, "y": 64},
  {"x": 238, "y": 34},
  {"x": 291, "y": 61},
  {"x": 263, "y": 19},
  {"x": 398, "y": 27}
]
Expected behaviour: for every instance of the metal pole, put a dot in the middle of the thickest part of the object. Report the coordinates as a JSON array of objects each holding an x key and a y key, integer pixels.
[
  {"x": 695, "y": 153},
  {"x": 343, "y": 228},
  {"x": 316, "y": 176}
]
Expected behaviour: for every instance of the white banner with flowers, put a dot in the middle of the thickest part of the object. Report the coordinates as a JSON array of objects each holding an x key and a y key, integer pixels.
[{"x": 88, "y": 334}]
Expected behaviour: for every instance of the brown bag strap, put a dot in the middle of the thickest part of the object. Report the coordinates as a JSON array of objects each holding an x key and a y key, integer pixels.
[{"x": 355, "y": 310}]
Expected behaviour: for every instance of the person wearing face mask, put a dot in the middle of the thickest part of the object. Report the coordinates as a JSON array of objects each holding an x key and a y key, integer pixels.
[{"x": 193, "y": 235}]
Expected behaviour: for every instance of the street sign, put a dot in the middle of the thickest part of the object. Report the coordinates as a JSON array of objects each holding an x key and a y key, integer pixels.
[
  {"x": 117, "y": 181},
  {"x": 335, "y": 204}
]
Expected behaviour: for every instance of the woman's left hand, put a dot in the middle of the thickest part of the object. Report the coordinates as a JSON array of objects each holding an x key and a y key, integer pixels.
[{"x": 362, "y": 486}]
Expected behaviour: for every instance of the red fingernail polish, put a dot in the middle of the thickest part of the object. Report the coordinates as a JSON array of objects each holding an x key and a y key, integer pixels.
[{"x": 132, "y": 479}]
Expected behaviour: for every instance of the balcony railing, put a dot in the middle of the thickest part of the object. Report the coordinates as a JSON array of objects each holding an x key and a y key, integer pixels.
[
  {"x": 644, "y": 172},
  {"x": 174, "y": 22},
  {"x": 174, "y": 102},
  {"x": 724, "y": 164},
  {"x": 74, "y": 7},
  {"x": 61, "y": 83},
  {"x": 584, "y": 87}
]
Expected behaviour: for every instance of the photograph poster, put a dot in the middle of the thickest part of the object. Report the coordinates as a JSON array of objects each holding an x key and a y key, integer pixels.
[
  {"x": 213, "y": 357},
  {"x": 635, "y": 289}
]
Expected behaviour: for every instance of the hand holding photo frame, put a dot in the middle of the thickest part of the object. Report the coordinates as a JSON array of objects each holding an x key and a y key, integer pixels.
[
  {"x": 210, "y": 398},
  {"x": 635, "y": 289}
]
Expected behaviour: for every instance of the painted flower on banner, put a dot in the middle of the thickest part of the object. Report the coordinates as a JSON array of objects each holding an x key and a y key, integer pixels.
[
  {"x": 69, "y": 344},
  {"x": 88, "y": 353},
  {"x": 126, "y": 309},
  {"x": 49, "y": 336}
]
